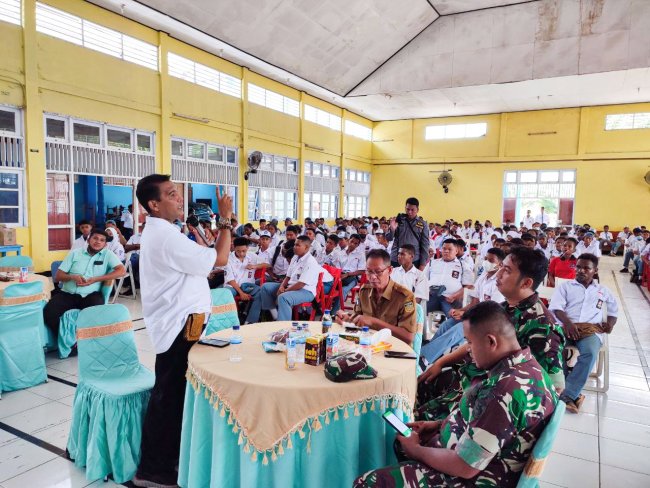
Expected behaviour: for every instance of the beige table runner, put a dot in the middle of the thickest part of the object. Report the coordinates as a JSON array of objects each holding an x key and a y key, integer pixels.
[
  {"x": 47, "y": 284},
  {"x": 266, "y": 403}
]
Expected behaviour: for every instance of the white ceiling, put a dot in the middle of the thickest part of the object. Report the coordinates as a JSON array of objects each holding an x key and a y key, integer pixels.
[{"x": 387, "y": 59}]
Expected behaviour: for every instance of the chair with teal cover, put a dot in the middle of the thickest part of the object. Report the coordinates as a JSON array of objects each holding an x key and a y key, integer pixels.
[
  {"x": 22, "y": 359},
  {"x": 68, "y": 324},
  {"x": 535, "y": 464},
  {"x": 14, "y": 263},
  {"x": 417, "y": 340},
  {"x": 112, "y": 395},
  {"x": 224, "y": 311}
]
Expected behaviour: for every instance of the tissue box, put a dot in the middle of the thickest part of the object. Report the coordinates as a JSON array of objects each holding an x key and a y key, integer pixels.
[
  {"x": 7, "y": 236},
  {"x": 315, "y": 348}
]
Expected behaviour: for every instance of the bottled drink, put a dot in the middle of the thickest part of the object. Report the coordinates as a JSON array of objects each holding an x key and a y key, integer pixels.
[
  {"x": 294, "y": 327},
  {"x": 291, "y": 354},
  {"x": 235, "y": 345},
  {"x": 365, "y": 347},
  {"x": 332, "y": 345},
  {"x": 327, "y": 322},
  {"x": 300, "y": 345},
  {"x": 305, "y": 329}
]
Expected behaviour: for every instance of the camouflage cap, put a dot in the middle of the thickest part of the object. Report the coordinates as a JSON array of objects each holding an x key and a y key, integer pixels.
[{"x": 350, "y": 366}]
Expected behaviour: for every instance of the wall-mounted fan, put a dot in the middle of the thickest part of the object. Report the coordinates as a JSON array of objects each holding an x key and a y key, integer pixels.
[
  {"x": 444, "y": 178},
  {"x": 254, "y": 160},
  {"x": 647, "y": 177}
]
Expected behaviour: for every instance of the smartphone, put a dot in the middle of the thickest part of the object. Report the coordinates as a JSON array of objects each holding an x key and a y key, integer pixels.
[
  {"x": 395, "y": 422},
  {"x": 214, "y": 342},
  {"x": 399, "y": 354}
]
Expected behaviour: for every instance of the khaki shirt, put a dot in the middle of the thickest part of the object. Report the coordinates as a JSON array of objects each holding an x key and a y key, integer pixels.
[{"x": 396, "y": 306}]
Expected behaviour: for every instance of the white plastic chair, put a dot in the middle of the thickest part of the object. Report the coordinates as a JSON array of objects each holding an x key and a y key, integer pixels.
[{"x": 129, "y": 274}]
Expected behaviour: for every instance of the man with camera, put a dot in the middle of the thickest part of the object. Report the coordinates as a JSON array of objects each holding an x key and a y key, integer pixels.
[{"x": 408, "y": 228}]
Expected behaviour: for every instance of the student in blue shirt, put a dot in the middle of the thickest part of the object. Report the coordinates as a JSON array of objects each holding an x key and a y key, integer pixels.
[{"x": 82, "y": 272}]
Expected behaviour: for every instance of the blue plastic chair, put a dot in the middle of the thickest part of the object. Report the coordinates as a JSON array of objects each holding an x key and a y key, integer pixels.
[
  {"x": 54, "y": 267},
  {"x": 417, "y": 340},
  {"x": 22, "y": 360},
  {"x": 14, "y": 263},
  {"x": 535, "y": 465},
  {"x": 112, "y": 395},
  {"x": 68, "y": 324},
  {"x": 224, "y": 311}
]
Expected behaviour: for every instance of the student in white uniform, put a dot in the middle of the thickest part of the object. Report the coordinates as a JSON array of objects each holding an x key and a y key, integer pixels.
[
  {"x": 464, "y": 257},
  {"x": 315, "y": 248},
  {"x": 578, "y": 304},
  {"x": 450, "y": 333},
  {"x": 529, "y": 220},
  {"x": 408, "y": 275},
  {"x": 621, "y": 237},
  {"x": 114, "y": 243},
  {"x": 272, "y": 229},
  {"x": 265, "y": 250},
  {"x": 542, "y": 217},
  {"x": 298, "y": 287},
  {"x": 279, "y": 263},
  {"x": 240, "y": 278},
  {"x": 127, "y": 221},
  {"x": 176, "y": 304},
  {"x": 85, "y": 226},
  {"x": 588, "y": 245},
  {"x": 353, "y": 264},
  {"x": 447, "y": 280},
  {"x": 544, "y": 246},
  {"x": 331, "y": 253},
  {"x": 606, "y": 238}
]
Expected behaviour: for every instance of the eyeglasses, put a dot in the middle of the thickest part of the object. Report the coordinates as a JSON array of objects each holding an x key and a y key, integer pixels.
[{"x": 377, "y": 273}]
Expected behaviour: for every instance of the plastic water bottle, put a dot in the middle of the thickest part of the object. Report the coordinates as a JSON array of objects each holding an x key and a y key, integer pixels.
[
  {"x": 291, "y": 354},
  {"x": 300, "y": 345},
  {"x": 327, "y": 322},
  {"x": 332, "y": 348},
  {"x": 364, "y": 344},
  {"x": 294, "y": 327},
  {"x": 305, "y": 329},
  {"x": 235, "y": 345}
]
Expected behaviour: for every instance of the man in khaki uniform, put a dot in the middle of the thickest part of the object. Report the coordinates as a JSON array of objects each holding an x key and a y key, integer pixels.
[{"x": 382, "y": 303}]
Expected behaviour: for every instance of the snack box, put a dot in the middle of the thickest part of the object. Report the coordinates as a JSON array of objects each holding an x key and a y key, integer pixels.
[{"x": 315, "y": 349}]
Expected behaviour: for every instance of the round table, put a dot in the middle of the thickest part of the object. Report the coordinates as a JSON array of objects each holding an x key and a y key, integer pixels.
[
  {"x": 255, "y": 423},
  {"x": 31, "y": 277}
]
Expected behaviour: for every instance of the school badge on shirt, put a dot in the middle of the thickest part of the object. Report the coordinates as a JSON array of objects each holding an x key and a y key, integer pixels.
[
  {"x": 455, "y": 274},
  {"x": 599, "y": 305}
]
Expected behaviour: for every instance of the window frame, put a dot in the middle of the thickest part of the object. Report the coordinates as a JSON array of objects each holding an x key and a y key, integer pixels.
[
  {"x": 20, "y": 174},
  {"x": 100, "y": 144},
  {"x": 131, "y": 133},
  {"x": 66, "y": 128},
  {"x": 18, "y": 122}
]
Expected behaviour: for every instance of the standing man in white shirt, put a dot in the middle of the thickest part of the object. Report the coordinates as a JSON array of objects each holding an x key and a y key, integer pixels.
[
  {"x": 578, "y": 304},
  {"x": 176, "y": 304},
  {"x": 298, "y": 287},
  {"x": 529, "y": 220},
  {"x": 127, "y": 222},
  {"x": 542, "y": 217}
]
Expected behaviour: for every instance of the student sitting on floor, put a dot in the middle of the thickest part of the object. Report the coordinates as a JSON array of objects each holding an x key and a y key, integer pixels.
[
  {"x": 239, "y": 277},
  {"x": 489, "y": 437},
  {"x": 82, "y": 272},
  {"x": 578, "y": 304}
]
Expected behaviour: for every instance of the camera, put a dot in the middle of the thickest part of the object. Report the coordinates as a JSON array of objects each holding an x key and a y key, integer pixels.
[{"x": 400, "y": 218}]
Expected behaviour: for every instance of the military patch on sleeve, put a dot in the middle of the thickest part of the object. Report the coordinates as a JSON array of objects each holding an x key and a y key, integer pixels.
[{"x": 409, "y": 307}]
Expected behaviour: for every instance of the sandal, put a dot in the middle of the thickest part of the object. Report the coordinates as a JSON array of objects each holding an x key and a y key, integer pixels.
[
  {"x": 571, "y": 407},
  {"x": 579, "y": 401}
]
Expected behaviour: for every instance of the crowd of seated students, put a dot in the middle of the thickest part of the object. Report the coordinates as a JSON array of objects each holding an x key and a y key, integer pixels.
[{"x": 502, "y": 338}]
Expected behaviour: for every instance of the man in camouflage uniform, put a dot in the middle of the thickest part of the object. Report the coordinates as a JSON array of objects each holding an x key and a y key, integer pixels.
[
  {"x": 487, "y": 439},
  {"x": 522, "y": 271}
]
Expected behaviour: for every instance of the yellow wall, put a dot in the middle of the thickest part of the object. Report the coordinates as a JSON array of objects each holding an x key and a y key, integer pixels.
[
  {"x": 609, "y": 165},
  {"x": 45, "y": 74}
]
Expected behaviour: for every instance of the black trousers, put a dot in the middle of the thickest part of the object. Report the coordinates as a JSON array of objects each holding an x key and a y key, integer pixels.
[
  {"x": 61, "y": 302},
  {"x": 161, "y": 432}
]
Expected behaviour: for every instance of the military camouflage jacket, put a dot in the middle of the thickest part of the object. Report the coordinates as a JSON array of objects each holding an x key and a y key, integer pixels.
[{"x": 498, "y": 420}]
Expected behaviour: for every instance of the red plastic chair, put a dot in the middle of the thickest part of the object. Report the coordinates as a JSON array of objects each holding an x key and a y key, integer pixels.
[
  {"x": 353, "y": 292},
  {"x": 327, "y": 299},
  {"x": 645, "y": 275},
  {"x": 319, "y": 293}
]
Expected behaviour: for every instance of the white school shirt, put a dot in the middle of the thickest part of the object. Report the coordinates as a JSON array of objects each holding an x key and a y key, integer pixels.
[
  {"x": 514, "y": 234},
  {"x": 275, "y": 240},
  {"x": 354, "y": 261},
  {"x": 542, "y": 218},
  {"x": 466, "y": 233},
  {"x": 127, "y": 219},
  {"x": 486, "y": 289},
  {"x": 306, "y": 270},
  {"x": 413, "y": 279},
  {"x": 331, "y": 259},
  {"x": 594, "y": 248},
  {"x": 173, "y": 280},
  {"x": 448, "y": 274},
  {"x": 622, "y": 236},
  {"x": 236, "y": 269},
  {"x": 547, "y": 251},
  {"x": 134, "y": 239},
  {"x": 528, "y": 222},
  {"x": 266, "y": 256},
  {"x": 315, "y": 249},
  {"x": 584, "y": 304},
  {"x": 555, "y": 253},
  {"x": 79, "y": 243},
  {"x": 607, "y": 236},
  {"x": 467, "y": 262}
]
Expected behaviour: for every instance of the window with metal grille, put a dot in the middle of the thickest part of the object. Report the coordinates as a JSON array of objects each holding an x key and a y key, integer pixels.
[
  {"x": 11, "y": 196},
  {"x": 12, "y": 164},
  {"x": 321, "y": 195},
  {"x": 71, "y": 28},
  {"x": 455, "y": 131},
  {"x": 273, "y": 100},
  {"x": 10, "y": 11},
  {"x": 273, "y": 190},
  {"x": 204, "y": 163},
  {"x": 188, "y": 70}
]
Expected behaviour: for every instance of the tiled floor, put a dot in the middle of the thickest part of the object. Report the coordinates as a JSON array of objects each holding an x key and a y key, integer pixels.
[{"x": 607, "y": 445}]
